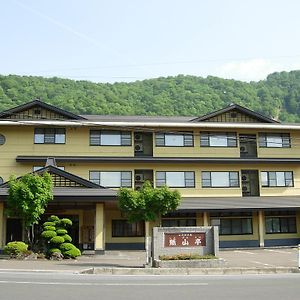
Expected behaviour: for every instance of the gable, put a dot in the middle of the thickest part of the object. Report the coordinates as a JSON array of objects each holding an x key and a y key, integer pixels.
[
  {"x": 63, "y": 179},
  {"x": 38, "y": 110},
  {"x": 235, "y": 114}
]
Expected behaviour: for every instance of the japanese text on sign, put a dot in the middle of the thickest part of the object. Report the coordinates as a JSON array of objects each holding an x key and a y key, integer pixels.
[{"x": 195, "y": 239}]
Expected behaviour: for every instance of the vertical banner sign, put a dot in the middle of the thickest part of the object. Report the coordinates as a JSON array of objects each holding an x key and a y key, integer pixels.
[{"x": 195, "y": 239}]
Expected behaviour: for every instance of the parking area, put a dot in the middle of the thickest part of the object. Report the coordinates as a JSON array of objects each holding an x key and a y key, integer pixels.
[{"x": 269, "y": 257}]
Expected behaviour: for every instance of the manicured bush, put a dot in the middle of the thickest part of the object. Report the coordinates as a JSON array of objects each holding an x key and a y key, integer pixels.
[
  {"x": 72, "y": 253},
  {"x": 66, "y": 222},
  {"x": 15, "y": 248},
  {"x": 49, "y": 224},
  {"x": 48, "y": 234},
  {"x": 54, "y": 250},
  {"x": 54, "y": 219},
  {"x": 66, "y": 247},
  {"x": 57, "y": 240},
  {"x": 67, "y": 238},
  {"x": 49, "y": 228},
  {"x": 61, "y": 231}
]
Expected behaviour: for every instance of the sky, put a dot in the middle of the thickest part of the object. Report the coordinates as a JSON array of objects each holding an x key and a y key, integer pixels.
[{"x": 112, "y": 41}]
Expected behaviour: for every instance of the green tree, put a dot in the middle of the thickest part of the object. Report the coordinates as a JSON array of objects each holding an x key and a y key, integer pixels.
[
  {"x": 148, "y": 203},
  {"x": 28, "y": 197}
]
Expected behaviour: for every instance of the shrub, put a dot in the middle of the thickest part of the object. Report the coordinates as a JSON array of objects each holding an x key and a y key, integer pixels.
[
  {"x": 49, "y": 224},
  {"x": 54, "y": 219},
  {"x": 66, "y": 247},
  {"x": 54, "y": 250},
  {"x": 65, "y": 222},
  {"x": 15, "y": 248},
  {"x": 49, "y": 228},
  {"x": 57, "y": 240},
  {"x": 61, "y": 231},
  {"x": 48, "y": 234},
  {"x": 67, "y": 238},
  {"x": 72, "y": 253}
]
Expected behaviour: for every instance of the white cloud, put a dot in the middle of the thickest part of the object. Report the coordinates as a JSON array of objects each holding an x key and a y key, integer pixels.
[{"x": 247, "y": 70}]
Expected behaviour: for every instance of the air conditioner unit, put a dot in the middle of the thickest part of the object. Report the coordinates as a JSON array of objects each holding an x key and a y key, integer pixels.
[
  {"x": 243, "y": 149},
  {"x": 245, "y": 178},
  {"x": 245, "y": 188},
  {"x": 138, "y": 137},
  {"x": 138, "y": 147},
  {"x": 139, "y": 177}
]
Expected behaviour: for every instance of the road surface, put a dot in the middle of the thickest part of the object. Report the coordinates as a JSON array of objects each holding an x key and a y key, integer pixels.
[{"x": 55, "y": 286}]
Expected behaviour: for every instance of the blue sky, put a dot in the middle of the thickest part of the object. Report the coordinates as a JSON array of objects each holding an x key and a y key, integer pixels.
[{"x": 108, "y": 41}]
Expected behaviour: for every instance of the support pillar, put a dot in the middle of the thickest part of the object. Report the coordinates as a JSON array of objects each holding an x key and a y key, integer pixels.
[
  {"x": 1, "y": 225},
  {"x": 99, "y": 229},
  {"x": 261, "y": 228},
  {"x": 205, "y": 219}
]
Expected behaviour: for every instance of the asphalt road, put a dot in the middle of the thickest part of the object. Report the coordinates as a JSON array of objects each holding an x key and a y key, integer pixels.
[{"x": 44, "y": 286}]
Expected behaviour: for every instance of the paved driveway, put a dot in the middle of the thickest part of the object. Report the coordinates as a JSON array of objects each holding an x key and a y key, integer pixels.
[{"x": 275, "y": 257}]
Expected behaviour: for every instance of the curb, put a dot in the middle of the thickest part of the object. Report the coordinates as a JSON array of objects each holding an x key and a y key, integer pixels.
[{"x": 188, "y": 271}]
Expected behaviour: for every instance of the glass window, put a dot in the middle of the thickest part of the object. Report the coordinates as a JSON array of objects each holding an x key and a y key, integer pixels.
[
  {"x": 220, "y": 179},
  {"x": 174, "y": 140},
  {"x": 1, "y": 180},
  {"x": 121, "y": 228},
  {"x": 2, "y": 139},
  {"x": 175, "y": 179},
  {"x": 110, "y": 138},
  {"x": 274, "y": 140},
  {"x": 218, "y": 139},
  {"x": 280, "y": 224},
  {"x": 277, "y": 179},
  {"x": 49, "y": 136},
  {"x": 112, "y": 179},
  {"x": 234, "y": 226}
]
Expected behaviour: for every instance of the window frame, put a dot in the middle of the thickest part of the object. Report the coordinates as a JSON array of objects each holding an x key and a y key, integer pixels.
[
  {"x": 230, "y": 180},
  {"x": 280, "y": 216},
  {"x": 108, "y": 171},
  {"x": 160, "y": 139},
  {"x": 123, "y": 223},
  {"x": 263, "y": 140},
  {"x": 276, "y": 186},
  {"x": 122, "y": 133},
  {"x": 205, "y": 139},
  {"x": 185, "y": 179},
  {"x": 55, "y": 134}
]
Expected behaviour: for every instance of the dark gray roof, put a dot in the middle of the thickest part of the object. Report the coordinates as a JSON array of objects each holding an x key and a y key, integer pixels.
[
  {"x": 75, "y": 194},
  {"x": 233, "y": 203},
  {"x": 141, "y": 159},
  {"x": 233, "y": 106},
  {"x": 158, "y": 119},
  {"x": 38, "y": 103}
]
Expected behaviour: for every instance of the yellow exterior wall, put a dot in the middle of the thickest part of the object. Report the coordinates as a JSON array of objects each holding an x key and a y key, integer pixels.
[
  {"x": 99, "y": 227},
  {"x": 114, "y": 214}
]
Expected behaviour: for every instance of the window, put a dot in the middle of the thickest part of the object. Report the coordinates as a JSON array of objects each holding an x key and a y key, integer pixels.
[
  {"x": 110, "y": 138},
  {"x": 175, "y": 179},
  {"x": 274, "y": 140},
  {"x": 49, "y": 136},
  {"x": 220, "y": 179},
  {"x": 2, "y": 139},
  {"x": 269, "y": 179},
  {"x": 174, "y": 140},
  {"x": 280, "y": 222},
  {"x": 233, "y": 223},
  {"x": 121, "y": 228},
  {"x": 179, "y": 220},
  {"x": 113, "y": 179},
  {"x": 36, "y": 168},
  {"x": 218, "y": 139},
  {"x": 1, "y": 180}
]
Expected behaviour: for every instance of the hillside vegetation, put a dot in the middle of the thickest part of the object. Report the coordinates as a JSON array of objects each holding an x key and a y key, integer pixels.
[{"x": 278, "y": 96}]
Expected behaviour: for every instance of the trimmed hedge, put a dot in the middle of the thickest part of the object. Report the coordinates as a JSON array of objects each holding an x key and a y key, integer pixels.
[{"x": 15, "y": 248}]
